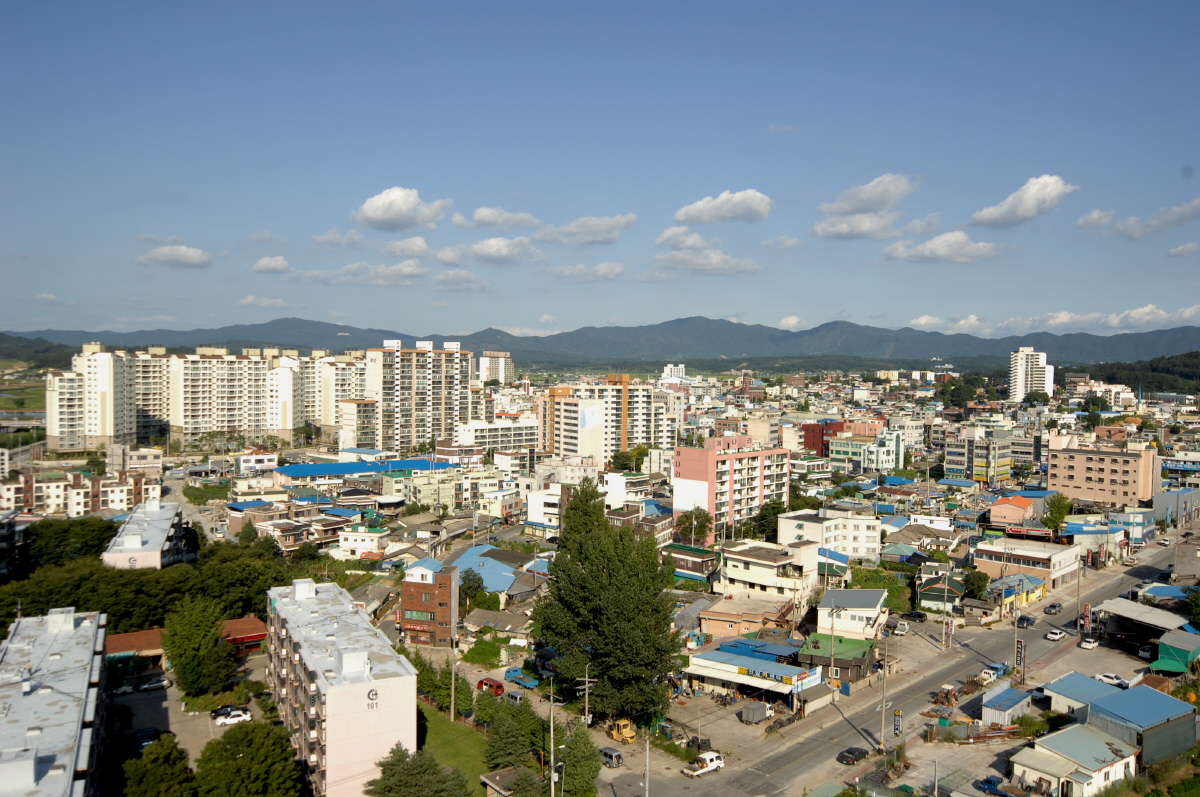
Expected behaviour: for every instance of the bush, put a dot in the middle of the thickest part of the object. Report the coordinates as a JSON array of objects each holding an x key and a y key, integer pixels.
[
  {"x": 237, "y": 696},
  {"x": 485, "y": 653}
]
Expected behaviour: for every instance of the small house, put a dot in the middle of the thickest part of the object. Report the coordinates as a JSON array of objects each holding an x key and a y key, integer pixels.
[{"x": 1004, "y": 708}]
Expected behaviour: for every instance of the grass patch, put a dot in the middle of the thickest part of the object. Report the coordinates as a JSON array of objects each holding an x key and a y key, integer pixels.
[
  {"x": 199, "y": 496},
  {"x": 455, "y": 745},
  {"x": 238, "y": 696},
  {"x": 529, "y": 548},
  {"x": 899, "y": 594},
  {"x": 484, "y": 652},
  {"x": 23, "y": 396},
  {"x": 684, "y": 752}
]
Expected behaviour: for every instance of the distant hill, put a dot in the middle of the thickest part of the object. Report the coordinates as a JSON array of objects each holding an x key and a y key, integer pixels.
[
  {"x": 683, "y": 338},
  {"x": 1177, "y": 374},
  {"x": 39, "y": 353}
]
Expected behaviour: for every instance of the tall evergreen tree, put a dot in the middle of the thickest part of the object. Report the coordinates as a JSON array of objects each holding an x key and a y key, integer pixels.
[
  {"x": 508, "y": 744},
  {"x": 252, "y": 759},
  {"x": 162, "y": 771},
  {"x": 582, "y": 764},
  {"x": 606, "y": 606},
  {"x": 192, "y": 641},
  {"x": 418, "y": 774}
]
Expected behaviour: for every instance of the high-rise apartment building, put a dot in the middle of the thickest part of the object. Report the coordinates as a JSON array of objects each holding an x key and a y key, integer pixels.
[
  {"x": 1028, "y": 372},
  {"x": 52, "y": 692},
  {"x": 497, "y": 365},
  {"x": 345, "y": 696},
  {"x": 976, "y": 454},
  {"x": 422, "y": 393},
  {"x": 1103, "y": 475},
  {"x": 730, "y": 478},
  {"x": 601, "y": 420}
]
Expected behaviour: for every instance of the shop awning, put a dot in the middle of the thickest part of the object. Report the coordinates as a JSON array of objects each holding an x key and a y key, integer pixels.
[
  {"x": 1168, "y": 665},
  {"x": 765, "y": 684}
]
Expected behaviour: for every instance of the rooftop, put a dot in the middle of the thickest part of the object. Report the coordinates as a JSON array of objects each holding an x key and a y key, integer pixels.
[
  {"x": 853, "y": 598},
  {"x": 845, "y": 648},
  {"x": 1080, "y": 688},
  {"x": 43, "y": 739},
  {"x": 350, "y": 468},
  {"x": 1141, "y": 613},
  {"x": 750, "y": 663},
  {"x": 337, "y": 641},
  {"x": 1008, "y": 699},
  {"x": 1141, "y": 707},
  {"x": 1088, "y": 747},
  {"x": 147, "y": 529}
]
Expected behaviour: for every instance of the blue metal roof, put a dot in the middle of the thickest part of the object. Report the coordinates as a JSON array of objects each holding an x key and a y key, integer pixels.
[
  {"x": 1034, "y": 493},
  {"x": 363, "y": 450},
  {"x": 428, "y": 563},
  {"x": 834, "y": 555},
  {"x": 1165, "y": 591},
  {"x": 339, "y": 512},
  {"x": 750, "y": 663},
  {"x": 242, "y": 506},
  {"x": 1080, "y": 688},
  {"x": 348, "y": 468},
  {"x": 956, "y": 482},
  {"x": 654, "y": 507},
  {"x": 1008, "y": 699},
  {"x": 497, "y": 576},
  {"x": 312, "y": 499},
  {"x": 1141, "y": 707},
  {"x": 1086, "y": 745},
  {"x": 896, "y": 523},
  {"x": 896, "y": 480}
]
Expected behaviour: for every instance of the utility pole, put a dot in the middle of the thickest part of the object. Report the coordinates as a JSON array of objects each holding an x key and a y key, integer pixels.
[
  {"x": 647, "y": 765},
  {"x": 553, "y": 775},
  {"x": 1079, "y": 596},
  {"x": 587, "y": 688},
  {"x": 883, "y": 704},
  {"x": 833, "y": 611}
]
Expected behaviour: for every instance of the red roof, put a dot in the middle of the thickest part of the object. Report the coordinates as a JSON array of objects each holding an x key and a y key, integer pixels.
[
  {"x": 148, "y": 642},
  {"x": 1016, "y": 500},
  {"x": 244, "y": 629},
  {"x": 371, "y": 555}
]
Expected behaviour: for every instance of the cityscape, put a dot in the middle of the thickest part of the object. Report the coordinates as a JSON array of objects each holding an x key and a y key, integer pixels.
[{"x": 854, "y": 452}]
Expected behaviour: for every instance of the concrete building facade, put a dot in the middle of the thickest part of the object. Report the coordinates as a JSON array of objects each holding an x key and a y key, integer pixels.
[{"x": 730, "y": 478}]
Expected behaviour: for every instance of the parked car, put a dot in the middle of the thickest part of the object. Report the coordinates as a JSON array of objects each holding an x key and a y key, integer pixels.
[
  {"x": 490, "y": 685},
  {"x": 552, "y": 540},
  {"x": 234, "y": 717},
  {"x": 1056, "y": 635},
  {"x": 1025, "y": 621},
  {"x": 919, "y": 617},
  {"x": 1146, "y": 652},
  {"x": 1054, "y": 608},
  {"x": 1112, "y": 679},
  {"x": 1165, "y": 541},
  {"x": 155, "y": 684},
  {"x": 223, "y": 711},
  {"x": 124, "y": 689},
  {"x": 1089, "y": 643},
  {"x": 852, "y": 755},
  {"x": 1165, "y": 575}
]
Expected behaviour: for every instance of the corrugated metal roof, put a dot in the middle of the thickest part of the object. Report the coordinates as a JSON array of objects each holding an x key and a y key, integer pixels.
[
  {"x": 348, "y": 468},
  {"x": 339, "y": 512},
  {"x": 751, "y": 663},
  {"x": 428, "y": 563},
  {"x": 241, "y": 506},
  {"x": 853, "y": 598},
  {"x": 1180, "y": 640},
  {"x": 1080, "y": 688},
  {"x": 1008, "y": 699},
  {"x": 1139, "y": 612},
  {"x": 1142, "y": 707}
]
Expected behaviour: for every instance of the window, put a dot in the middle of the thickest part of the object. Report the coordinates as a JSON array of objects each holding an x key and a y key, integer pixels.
[
  {"x": 425, "y": 598},
  {"x": 835, "y": 672},
  {"x": 409, "y": 614}
]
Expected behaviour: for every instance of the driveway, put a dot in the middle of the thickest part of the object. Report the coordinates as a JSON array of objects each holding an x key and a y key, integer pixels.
[{"x": 163, "y": 710}]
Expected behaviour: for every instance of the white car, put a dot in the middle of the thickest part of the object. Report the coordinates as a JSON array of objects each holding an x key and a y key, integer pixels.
[
  {"x": 234, "y": 717},
  {"x": 1165, "y": 541},
  {"x": 1089, "y": 643},
  {"x": 124, "y": 689},
  {"x": 1112, "y": 679},
  {"x": 154, "y": 684},
  {"x": 1056, "y": 635}
]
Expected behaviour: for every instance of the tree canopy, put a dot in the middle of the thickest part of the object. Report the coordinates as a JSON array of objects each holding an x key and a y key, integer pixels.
[
  {"x": 1058, "y": 506},
  {"x": 161, "y": 771},
  {"x": 976, "y": 584},
  {"x": 58, "y": 541},
  {"x": 630, "y": 460},
  {"x": 251, "y": 759},
  {"x": 404, "y": 774},
  {"x": 693, "y": 526},
  {"x": 201, "y": 662},
  {"x": 606, "y": 606}
]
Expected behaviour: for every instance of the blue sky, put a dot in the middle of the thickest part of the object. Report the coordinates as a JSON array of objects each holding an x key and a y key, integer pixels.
[{"x": 988, "y": 168}]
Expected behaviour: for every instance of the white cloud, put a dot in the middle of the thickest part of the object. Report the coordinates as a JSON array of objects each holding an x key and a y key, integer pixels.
[
  {"x": 528, "y": 332},
  {"x": 859, "y": 225},
  {"x": 681, "y": 238},
  {"x": 588, "y": 230},
  {"x": 791, "y": 323},
  {"x": 459, "y": 280},
  {"x": 699, "y": 262},
  {"x": 363, "y": 273},
  {"x": 547, "y": 319},
  {"x": 1185, "y": 250},
  {"x": 272, "y": 265},
  {"x": 882, "y": 193},
  {"x": 949, "y": 247},
  {"x": 401, "y": 209},
  {"x": 47, "y": 297},
  {"x": 926, "y": 226},
  {"x": 266, "y": 236},
  {"x": 440, "y": 305},
  {"x": 176, "y": 256},
  {"x": 774, "y": 128},
  {"x": 748, "y": 205},
  {"x": 336, "y": 314},
  {"x": 409, "y": 247},
  {"x": 581, "y": 273},
  {"x": 1139, "y": 319},
  {"x": 155, "y": 238},
  {"x": 782, "y": 242},
  {"x": 1163, "y": 219},
  {"x": 1096, "y": 218},
  {"x": 496, "y": 217},
  {"x": 253, "y": 301},
  {"x": 504, "y": 251},
  {"x": 333, "y": 239},
  {"x": 1039, "y": 195}
]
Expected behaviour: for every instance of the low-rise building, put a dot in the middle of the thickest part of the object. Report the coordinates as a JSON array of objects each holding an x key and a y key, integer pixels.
[
  {"x": 753, "y": 566},
  {"x": 746, "y": 614},
  {"x": 345, "y": 696},
  {"x": 429, "y": 603},
  {"x": 1078, "y": 761},
  {"x": 151, "y": 537},
  {"x": 844, "y": 531},
  {"x": 52, "y": 692},
  {"x": 1057, "y": 565},
  {"x": 852, "y": 613}
]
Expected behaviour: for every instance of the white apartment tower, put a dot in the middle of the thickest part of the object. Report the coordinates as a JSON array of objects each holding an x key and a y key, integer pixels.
[
  {"x": 677, "y": 371},
  {"x": 421, "y": 393},
  {"x": 601, "y": 420},
  {"x": 497, "y": 365},
  {"x": 1028, "y": 372}
]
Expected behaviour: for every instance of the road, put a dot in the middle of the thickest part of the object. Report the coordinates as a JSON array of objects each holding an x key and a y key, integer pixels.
[
  {"x": 172, "y": 491},
  {"x": 805, "y": 758}
]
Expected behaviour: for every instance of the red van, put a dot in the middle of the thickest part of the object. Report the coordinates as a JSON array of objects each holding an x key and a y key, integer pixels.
[{"x": 490, "y": 685}]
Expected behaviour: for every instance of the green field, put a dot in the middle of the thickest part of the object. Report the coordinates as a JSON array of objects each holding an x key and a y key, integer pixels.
[
  {"x": 453, "y": 745},
  {"x": 22, "y": 396}
]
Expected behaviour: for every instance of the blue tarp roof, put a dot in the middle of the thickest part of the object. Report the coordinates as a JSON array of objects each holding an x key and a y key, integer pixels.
[
  {"x": 339, "y": 512},
  {"x": 654, "y": 507},
  {"x": 1085, "y": 528},
  {"x": 348, "y": 468},
  {"x": 1008, "y": 699},
  {"x": 1080, "y": 688},
  {"x": 896, "y": 523},
  {"x": 1164, "y": 591},
  {"x": 956, "y": 482},
  {"x": 428, "y": 563},
  {"x": 834, "y": 555},
  {"x": 242, "y": 506},
  {"x": 751, "y": 663},
  {"x": 1141, "y": 707},
  {"x": 896, "y": 481}
]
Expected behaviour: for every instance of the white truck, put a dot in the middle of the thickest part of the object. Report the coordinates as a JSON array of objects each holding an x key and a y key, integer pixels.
[{"x": 705, "y": 762}]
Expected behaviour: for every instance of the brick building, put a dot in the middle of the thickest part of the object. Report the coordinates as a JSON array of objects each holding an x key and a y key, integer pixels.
[{"x": 428, "y": 610}]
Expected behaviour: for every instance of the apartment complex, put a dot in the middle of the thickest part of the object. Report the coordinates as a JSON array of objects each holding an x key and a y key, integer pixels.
[
  {"x": 976, "y": 454},
  {"x": 151, "y": 537},
  {"x": 428, "y": 610},
  {"x": 841, "y": 530},
  {"x": 1103, "y": 475},
  {"x": 1028, "y": 372},
  {"x": 345, "y": 696},
  {"x": 52, "y": 691},
  {"x": 497, "y": 366},
  {"x": 730, "y": 478},
  {"x": 600, "y": 420},
  {"x": 502, "y": 434},
  {"x": 75, "y": 494}
]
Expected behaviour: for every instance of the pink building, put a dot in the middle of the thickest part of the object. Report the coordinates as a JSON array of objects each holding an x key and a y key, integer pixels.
[
  {"x": 1013, "y": 510},
  {"x": 730, "y": 478}
]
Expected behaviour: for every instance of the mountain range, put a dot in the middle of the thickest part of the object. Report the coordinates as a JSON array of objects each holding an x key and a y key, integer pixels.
[{"x": 680, "y": 339}]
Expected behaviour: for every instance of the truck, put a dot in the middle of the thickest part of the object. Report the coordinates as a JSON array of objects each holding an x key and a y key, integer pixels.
[
  {"x": 993, "y": 671},
  {"x": 517, "y": 676},
  {"x": 755, "y": 712},
  {"x": 622, "y": 731},
  {"x": 995, "y": 785},
  {"x": 704, "y": 763}
]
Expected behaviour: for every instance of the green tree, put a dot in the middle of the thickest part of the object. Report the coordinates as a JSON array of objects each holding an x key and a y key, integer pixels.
[
  {"x": 507, "y": 744},
  {"x": 976, "y": 583},
  {"x": 54, "y": 541},
  {"x": 486, "y": 707},
  {"x": 415, "y": 509},
  {"x": 192, "y": 642},
  {"x": 470, "y": 584},
  {"x": 582, "y": 764},
  {"x": 1058, "y": 506},
  {"x": 527, "y": 784},
  {"x": 765, "y": 522},
  {"x": 248, "y": 534},
  {"x": 1192, "y": 603},
  {"x": 1036, "y": 397},
  {"x": 418, "y": 774},
  {"x": 606, "y": 606},
  {"x": 162, "y": 771},
  {"x": 631, "y": 460},
  {"x": 838, "y": 477},
  {"x": 251, "y": 759},
  {"x": 1092, "y": 420},
  {"x": 306, "y": 552},
  {"x": 693, "y": 526}
]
